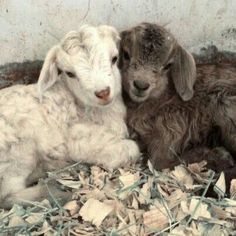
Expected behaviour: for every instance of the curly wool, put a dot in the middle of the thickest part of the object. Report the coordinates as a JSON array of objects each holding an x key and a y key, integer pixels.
[{"x": 60, "y": 120}]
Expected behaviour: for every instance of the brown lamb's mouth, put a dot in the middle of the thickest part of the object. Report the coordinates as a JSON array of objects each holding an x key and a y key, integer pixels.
[
  {"x": 137, "y": 96},
  {"x": 138, "y": 93}
]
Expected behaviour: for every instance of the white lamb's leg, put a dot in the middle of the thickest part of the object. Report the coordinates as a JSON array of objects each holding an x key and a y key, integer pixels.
[
  {"x": 37, "y": 193},
  {"x": 16, "y": 164},
  {"x": 97, "y": 145},
  {"x": 14, "y": 189},
  {"x": 10, "y": 184},
  {"x": 119, "y": 154}
]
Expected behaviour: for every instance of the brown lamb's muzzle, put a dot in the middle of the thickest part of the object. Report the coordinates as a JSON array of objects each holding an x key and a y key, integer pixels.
[{"x": 171, "y": 113}]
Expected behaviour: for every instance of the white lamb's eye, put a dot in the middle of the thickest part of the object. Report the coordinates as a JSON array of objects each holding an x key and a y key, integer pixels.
[
  {"x": 70, "y": 74},
  {"x": 114, "y": 60},
  {"x": 59, "y": 71}
]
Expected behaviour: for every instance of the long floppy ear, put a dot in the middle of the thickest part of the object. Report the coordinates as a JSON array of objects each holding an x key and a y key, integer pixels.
[
  {"x": 49, "y": 72},
  {"x": 183, "y": 73}
]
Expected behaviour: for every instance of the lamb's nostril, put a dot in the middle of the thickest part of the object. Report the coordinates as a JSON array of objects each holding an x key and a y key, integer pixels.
[
  {"x": 103, "y": 94},
  {"x": 141, "y": 85}
]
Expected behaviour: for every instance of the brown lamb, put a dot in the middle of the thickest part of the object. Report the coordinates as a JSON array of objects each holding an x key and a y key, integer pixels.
[{"x": 177, "y": 114}]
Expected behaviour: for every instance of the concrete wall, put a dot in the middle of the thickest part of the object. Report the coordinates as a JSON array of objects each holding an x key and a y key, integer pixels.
[{"x": 29, "y": 27}]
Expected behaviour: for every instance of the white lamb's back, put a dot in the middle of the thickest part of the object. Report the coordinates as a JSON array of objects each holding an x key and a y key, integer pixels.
[
  {"x": 23, "y": 119},
  {"x": 18, "y": 113}
]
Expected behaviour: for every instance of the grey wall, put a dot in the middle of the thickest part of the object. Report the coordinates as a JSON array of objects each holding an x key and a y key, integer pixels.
[{"x": 29, "y": 27}]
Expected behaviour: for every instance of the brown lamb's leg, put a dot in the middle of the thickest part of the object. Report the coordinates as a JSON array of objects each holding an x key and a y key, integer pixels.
[
  {"x": 162, "y": 149},
  {"x": 218, "y": 158},
  {"x": 165, "y": 148},
  {"x": 226, "y": 120}
]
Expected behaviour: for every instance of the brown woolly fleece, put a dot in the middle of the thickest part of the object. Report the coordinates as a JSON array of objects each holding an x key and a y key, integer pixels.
[{"x": 175, "y": 112}]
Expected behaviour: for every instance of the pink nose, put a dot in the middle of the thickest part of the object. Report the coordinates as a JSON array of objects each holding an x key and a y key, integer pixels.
[{"x": 103, "y": 94}]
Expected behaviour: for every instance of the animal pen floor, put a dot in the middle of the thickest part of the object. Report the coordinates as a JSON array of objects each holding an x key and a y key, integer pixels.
[{"x": 130, "y": 201}]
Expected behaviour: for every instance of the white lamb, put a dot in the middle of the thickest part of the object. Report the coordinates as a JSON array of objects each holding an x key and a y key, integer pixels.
[{"x": 74, "y": 113}]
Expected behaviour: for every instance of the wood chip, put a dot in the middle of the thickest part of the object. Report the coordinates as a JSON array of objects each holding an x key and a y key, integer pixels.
[
  {"x": 182, "y": 175},
  {"x": 176, "y": 197},
  {"x": 70, "y": 183},
  {"x": 16, "y": 220},
  {"x": 233, "y": 189},
  {"x": 198, "y": 209},
  {"x": 155, "y": 219},
  {"x": 220, "y": 186},
  {"x": 72, "y": 207},
  {"x": 98, "y": 176},
  {"x": 132, "y": 222},
  {"x": 95, "y": 211},
  {"x": 34, "y": 218},
  {"x": 144, "y": 193},
  {"x": 128, "y": 179},
  {"x": 220, "y": 213}
]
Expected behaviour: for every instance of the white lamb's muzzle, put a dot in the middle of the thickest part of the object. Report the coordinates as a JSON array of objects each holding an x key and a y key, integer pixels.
[
  {"x": 90, "y": 98},
  {"x": 104, "y": 90},
  {"x": 107, "y": 98}
]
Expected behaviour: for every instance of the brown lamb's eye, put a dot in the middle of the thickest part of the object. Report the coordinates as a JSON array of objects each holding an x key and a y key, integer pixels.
[
  {"x": 70, "y": 74},
  {"x": 114, "y": 60},
  {"x": 126, "y": 55},
  {"x": 167, "y": 66},
  {"x": 155, "y": 71}
]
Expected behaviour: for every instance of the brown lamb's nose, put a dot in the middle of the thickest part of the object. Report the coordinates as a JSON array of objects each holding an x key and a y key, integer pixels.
[
  {"x": 141, "y": 85},
  {"x": 103, "y": 94}
]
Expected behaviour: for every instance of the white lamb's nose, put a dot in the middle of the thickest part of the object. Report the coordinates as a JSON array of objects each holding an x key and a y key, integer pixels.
[{"x": 103, "y": 94}]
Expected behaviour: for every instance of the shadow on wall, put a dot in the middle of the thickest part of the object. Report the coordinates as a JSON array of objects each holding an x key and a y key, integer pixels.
[
  {"x": 19, "y": 73},
  {"x": 28, "y": 72}
]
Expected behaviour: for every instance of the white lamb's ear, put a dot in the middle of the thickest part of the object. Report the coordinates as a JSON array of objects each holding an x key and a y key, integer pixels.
[{"x": 49, "y": 72}]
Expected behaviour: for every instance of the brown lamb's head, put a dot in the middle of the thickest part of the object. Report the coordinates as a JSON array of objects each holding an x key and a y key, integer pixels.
[{"x": 151, "y": 58}]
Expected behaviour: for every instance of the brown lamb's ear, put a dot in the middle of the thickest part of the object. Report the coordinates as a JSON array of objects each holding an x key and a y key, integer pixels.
[{"x": 183, "y": 73}]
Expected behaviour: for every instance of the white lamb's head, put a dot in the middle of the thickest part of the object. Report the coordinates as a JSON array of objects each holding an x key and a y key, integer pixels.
[{"x": 87, "y": 61}]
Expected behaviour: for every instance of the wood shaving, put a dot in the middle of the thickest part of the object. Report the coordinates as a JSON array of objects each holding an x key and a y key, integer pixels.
[
  {"x": 129, "y": 201},
  {"x": 95, "y": 211}
]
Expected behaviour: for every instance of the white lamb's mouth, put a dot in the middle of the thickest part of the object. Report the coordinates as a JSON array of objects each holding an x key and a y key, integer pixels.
[{"x": 105, "y": 102}]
